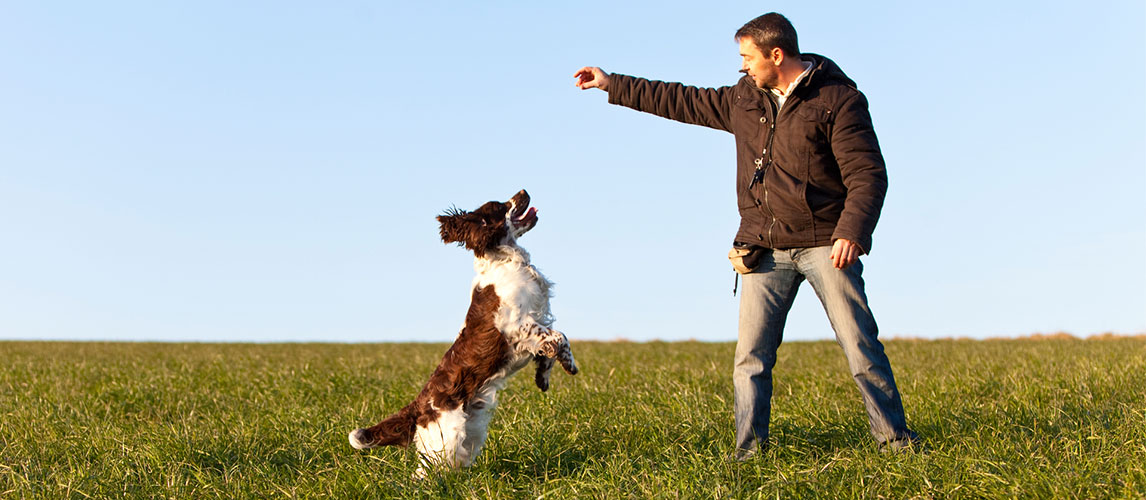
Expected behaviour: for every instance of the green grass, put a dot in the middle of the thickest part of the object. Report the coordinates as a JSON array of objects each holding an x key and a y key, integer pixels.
[{"x": 1041, "y": 418}]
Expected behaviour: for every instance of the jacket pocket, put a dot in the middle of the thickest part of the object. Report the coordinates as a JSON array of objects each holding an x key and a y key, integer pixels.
[
  {"x": 813, "y": 125},
  {"x": 813, "y": 113},
  {"x": 748, "y": 120},
  {"x": 786, "y": 198}
]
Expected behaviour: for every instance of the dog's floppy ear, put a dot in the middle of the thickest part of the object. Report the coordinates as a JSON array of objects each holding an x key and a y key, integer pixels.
[
  {"x": 471, "y": 230},
  {"x": 453, "y": 225}
]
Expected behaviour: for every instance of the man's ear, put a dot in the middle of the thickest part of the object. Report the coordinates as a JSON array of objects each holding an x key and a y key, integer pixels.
[{"x": 776, "y": 55}]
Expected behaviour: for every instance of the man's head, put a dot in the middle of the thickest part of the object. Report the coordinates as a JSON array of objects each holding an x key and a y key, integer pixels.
[{"x": 766, "y": 43}]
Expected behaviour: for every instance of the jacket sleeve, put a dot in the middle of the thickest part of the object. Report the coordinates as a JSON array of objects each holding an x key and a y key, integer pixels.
[
  {"x": 693, "y": 105},
  {"x": 862, "y": 169}
]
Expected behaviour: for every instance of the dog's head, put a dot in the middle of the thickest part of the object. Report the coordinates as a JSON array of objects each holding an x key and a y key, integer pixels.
[{"x": 492, "y": 225}]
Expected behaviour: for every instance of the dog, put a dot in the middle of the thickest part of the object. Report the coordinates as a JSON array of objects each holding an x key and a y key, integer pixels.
[{"x": 507, "y": 326}]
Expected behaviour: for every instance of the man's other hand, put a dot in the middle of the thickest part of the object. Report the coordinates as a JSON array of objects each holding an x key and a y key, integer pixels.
[
  {"x": 592, "y": 77},
  {"x": 845, "y": 253}
]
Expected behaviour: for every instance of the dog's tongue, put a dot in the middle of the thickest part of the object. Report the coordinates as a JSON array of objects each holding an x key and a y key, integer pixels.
[{"x": 531, "y": 212}]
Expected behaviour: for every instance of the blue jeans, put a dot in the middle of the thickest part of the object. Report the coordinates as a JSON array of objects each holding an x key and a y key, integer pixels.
[{"x": 766, "y": 298}]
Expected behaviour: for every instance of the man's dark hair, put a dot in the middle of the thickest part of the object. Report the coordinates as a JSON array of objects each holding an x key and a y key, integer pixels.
[{"x": 770, "y": 31}]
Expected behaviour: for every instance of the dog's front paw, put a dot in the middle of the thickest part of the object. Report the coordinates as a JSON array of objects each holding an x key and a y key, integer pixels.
[
  {"x": 555, "y": 346},
  {"x": 567, "y": 362},
  {"x": 550, "y": 347},
  {"x": 544, "y": 366}
]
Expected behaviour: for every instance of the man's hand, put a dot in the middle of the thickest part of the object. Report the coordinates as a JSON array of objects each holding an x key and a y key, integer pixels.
[
  {"x": 845, "y": 253},
  {"x": 592, "y": 77}
]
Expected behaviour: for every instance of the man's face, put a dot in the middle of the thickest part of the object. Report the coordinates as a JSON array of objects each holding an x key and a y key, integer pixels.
[{"x": 759, "y": 66}]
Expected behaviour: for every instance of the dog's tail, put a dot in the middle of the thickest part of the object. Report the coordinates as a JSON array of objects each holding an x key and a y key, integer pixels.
[{"x": 396, "y": 430}]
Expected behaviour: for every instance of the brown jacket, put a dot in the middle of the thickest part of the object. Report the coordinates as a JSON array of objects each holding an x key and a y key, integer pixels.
[{"x": 824, "y": 177}]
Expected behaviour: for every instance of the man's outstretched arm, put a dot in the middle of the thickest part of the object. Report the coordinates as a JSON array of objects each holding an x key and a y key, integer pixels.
[{"x": 675, "y": 101}]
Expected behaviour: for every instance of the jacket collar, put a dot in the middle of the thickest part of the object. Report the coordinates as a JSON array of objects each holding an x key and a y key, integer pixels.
[{"x": 824, "y": 70}]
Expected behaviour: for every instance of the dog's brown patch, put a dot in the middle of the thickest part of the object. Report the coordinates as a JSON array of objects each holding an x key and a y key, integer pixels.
[{"x": 478, "y": 353}]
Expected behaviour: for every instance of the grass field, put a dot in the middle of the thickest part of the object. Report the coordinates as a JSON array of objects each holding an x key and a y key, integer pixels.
[{"x": 1042, "y": 418}]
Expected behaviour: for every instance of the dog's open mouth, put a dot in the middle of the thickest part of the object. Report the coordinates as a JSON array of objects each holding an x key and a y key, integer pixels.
[
  {"x": 526, "y": 216},
  {"x": 522, "y": 216}
]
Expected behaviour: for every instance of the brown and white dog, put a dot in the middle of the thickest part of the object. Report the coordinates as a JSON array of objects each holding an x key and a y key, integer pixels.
[{"x": 507, "y": 326}]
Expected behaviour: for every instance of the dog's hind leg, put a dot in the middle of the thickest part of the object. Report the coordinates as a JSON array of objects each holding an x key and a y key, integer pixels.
[
  {"x": 479, "y": 411},
  {"x": 438, "y": 441}
]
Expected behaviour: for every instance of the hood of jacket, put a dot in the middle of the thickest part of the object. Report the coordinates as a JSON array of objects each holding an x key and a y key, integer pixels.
[{"x": 824, "y": 70}]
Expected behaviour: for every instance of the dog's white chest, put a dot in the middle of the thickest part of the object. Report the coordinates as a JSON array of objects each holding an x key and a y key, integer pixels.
[{"x": 523, "y": 292}]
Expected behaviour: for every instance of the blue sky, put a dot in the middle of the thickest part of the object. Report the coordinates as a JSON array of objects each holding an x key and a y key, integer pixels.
[{"x": 270, "y": 171}]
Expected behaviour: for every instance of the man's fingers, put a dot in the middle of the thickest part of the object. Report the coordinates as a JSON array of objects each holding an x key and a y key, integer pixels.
[
  {"x": 583, "y": 76},
  {"x": 844, "y": 253},
  {"x": 848, "y": 254},
  {"x": 849, "y": 257},
  {"x": 591, "y": 77}
]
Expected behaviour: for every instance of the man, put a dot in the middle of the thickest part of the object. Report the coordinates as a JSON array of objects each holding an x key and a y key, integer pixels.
[{"x": 810, "y": 183}]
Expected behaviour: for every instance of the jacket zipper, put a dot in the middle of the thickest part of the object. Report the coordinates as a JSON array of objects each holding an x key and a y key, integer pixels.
[
  {"x": 768, "y": 163},
  {"x": 763, "y": 165},
  {"x": 767, "y": 153}
]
